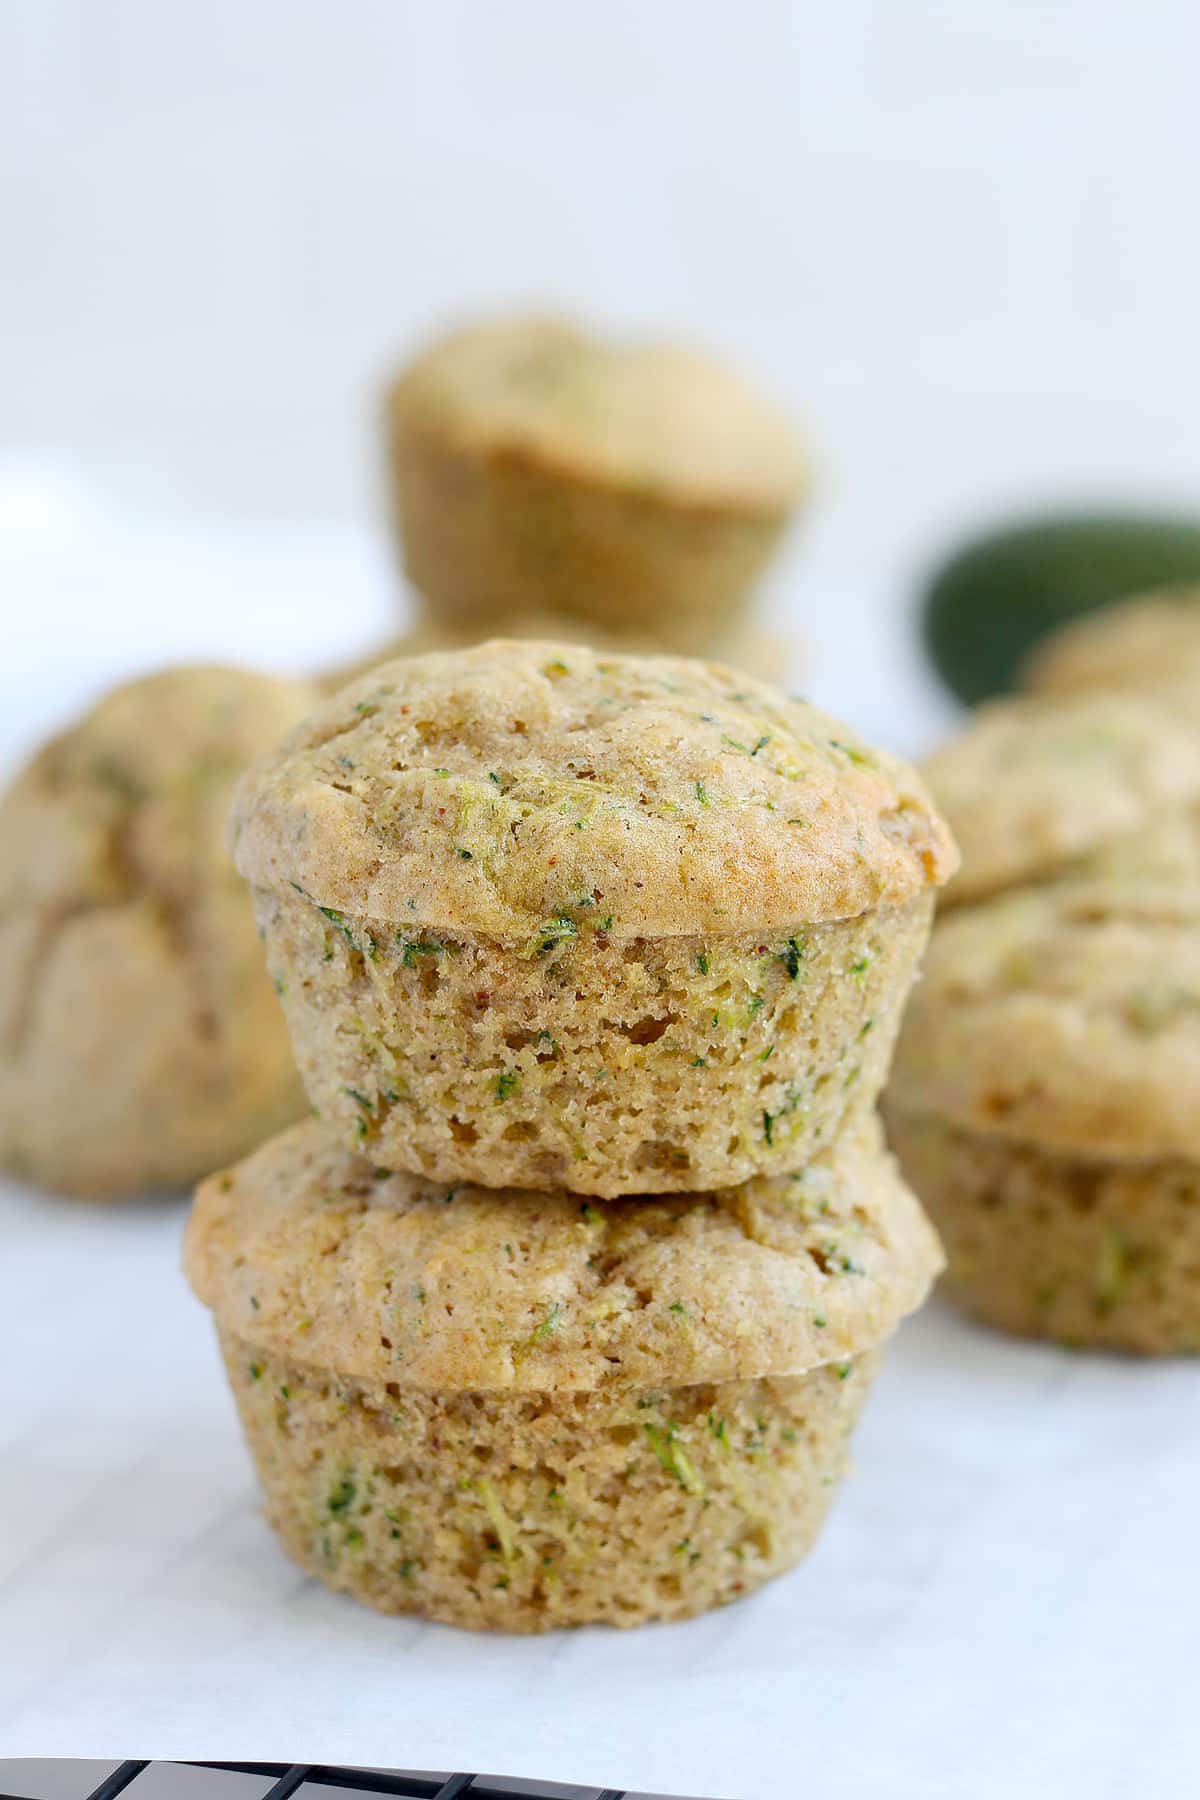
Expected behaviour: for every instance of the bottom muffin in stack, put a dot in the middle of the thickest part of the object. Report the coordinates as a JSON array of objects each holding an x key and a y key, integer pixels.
[{"x": 513, "y": 1410}]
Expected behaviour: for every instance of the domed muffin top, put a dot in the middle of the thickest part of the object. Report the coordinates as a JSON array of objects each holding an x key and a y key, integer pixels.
[
  {"x": 1032, "y": 785},
  {"x": 657, "y": 420},
  {"x": 133, "y": 798},
  {"x": 1068, "y": 1015},
  {"x": 1147, "y": 641},
  {"x": 496, "y": 788},
  {"x": 307, "y": 1253}
]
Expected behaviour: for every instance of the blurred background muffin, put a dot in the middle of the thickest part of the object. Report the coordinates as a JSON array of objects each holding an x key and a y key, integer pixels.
[
  {"x": 639, "y": 488},
  {"x": 1147, "y": 641},
  {"x": 1045, "y": 1102},
  {"x": 1033, "y": 784},
  {"x": 1046, "y": 1089},
  {"x": 140, "y": 1041}
]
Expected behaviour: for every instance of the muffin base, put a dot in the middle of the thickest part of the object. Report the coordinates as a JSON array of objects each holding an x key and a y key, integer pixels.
[
  {"x": 485, "y": 535},
  {"x": 526, "y": 1512},
  {"x": 1087, "y": 1253},
  {"x": 584, "y": 1060}
]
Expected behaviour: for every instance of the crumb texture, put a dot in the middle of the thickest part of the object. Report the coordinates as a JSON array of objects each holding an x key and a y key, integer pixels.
[
  {"x": 525, "y": 1513},
  {"x": 579, "y": 1060}
]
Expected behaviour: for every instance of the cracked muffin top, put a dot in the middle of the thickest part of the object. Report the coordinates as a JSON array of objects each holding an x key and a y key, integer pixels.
[
  {"x": 1147, "y": 641},
  {"x": 1068, "y": 1016},
  {"x": 306, "y": 1252},
  {"x": 1032, "y": 785},
  {"x": 134, "y": 797},
  {"x": 658, "y": 420},
  {"x": 491, "y": 789},
  {"x": 140, "y": 1040}
]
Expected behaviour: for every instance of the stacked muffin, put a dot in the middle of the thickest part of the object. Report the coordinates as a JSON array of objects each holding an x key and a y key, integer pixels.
[
  {"x": 546, "y": 484},
  {"x": 1045, "y": 1100},
  {"x": 564, "y": 1307}
]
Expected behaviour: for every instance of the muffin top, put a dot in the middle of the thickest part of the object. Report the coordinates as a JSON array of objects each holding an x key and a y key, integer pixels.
[
  {"x": 656, "y": 420},
  {"x": 309, "y": 1254},
  {"x": 496, "y": 788},
  {"x": 1146, "y": 641},
  {"x": 1031, "y": 785},
  {"x": 1068, "y": 1016},
  {"x": 132, "y": 800}
]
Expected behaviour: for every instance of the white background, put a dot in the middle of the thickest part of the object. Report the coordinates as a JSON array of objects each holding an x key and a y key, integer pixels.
[
  {"x": 958, "y": 235},
  {"x": 961, "y": 240}
]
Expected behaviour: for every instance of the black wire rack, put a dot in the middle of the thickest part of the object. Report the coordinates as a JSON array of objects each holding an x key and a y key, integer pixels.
[{"x": 283, "y": 1779}]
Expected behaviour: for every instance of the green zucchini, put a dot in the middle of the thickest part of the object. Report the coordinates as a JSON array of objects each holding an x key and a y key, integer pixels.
[{"x": 985, "y": 607}]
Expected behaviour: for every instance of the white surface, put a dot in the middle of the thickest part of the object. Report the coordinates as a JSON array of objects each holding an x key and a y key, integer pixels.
[
  {"x": 1005, "y": 1600},
  {"x": 959, "y": 240}
]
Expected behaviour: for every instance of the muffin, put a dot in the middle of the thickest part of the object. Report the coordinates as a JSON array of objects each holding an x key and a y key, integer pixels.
[
  {"x": 1148, "y": 641},
  {"x": 517, "y": 1410},
  {"x": 1045, "y": 1101},
  {"x": 1087, "y": 1251},
  {"x": 546, "y": 918},
  {"x": 534, "y": 468},
  {"x": 140, "y": 1042},
  {"x": 1053, "y": 1016},
  {"x": 1033, "y": 785},
  {"x": 748, "y": 647}
]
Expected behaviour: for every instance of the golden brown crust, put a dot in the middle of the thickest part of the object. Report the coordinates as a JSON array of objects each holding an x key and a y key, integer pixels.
[
  {"x": 140, "y": 1041},
  {"x": 652, "y": 419},
  {"x": 306, "y": 1253},
  {"x": 1031, "y": 785},
  {"x": 493, "y": 788},
  {"x": 532, "y": 469}
]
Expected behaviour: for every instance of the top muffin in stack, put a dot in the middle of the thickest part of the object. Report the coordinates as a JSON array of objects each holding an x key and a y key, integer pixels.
[
  {"x": 619, "y": 924},
  {"x": 551, "y": 925}
]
